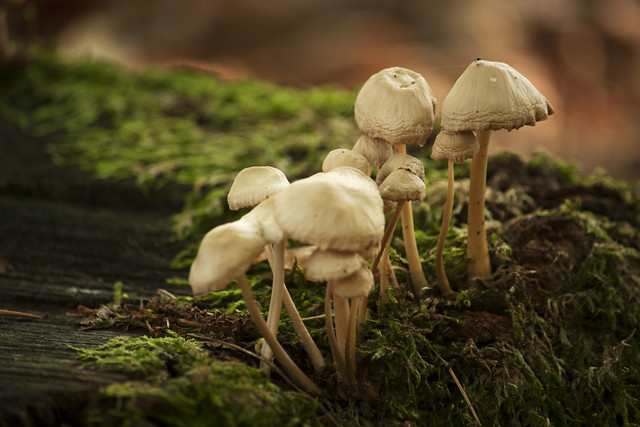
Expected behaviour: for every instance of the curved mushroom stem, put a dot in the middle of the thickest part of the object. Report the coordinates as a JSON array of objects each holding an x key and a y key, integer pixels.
[
  {"x": 298, "y": 325},
  {"x": 388, "y": 232},
  {"x": 303, "y": 333},
  {"x": 275, "y": 304},
  {"x": 281, "y": 355},
  {"x": 477, "y": 247},
  {"x": 384, "y": 277},
  {"x": 418, "y": 279},
  {"x": 336, "y": 353},
  {"x": 443, "y": 282},
  {"x": 350, "y": 344}
]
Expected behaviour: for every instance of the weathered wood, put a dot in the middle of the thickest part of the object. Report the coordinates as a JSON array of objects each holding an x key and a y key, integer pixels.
[{"x": 55, "y": 256}]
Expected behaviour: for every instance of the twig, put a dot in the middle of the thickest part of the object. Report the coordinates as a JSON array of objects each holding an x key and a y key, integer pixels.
[
  {"x": 13, "y": 313},
  {"x": 455, "y": 379}
]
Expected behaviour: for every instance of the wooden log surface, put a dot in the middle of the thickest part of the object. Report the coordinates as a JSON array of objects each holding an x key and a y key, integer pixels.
[{"x": 65, "y": 239}]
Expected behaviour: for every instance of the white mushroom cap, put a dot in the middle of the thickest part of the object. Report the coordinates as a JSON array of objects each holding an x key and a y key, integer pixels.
[
  {"x": 254, "y": 184},
  {"x": 402, "y": 184},
  {"x": 456, "y": 146},
  {"x": 225, "y": 253},
  {"x": 355, "y": 285},
  {"x": 490, "y": 96},
  {"x": 375, "y": 150},
  {"x": 264, "y": 215},
  {"x": 397, "y": 105},
  {"x": 340, "y": 210},
  {"x": 328, "y": 265},
  {"x": 400, "y": 161},
  {"x": 344, "y": 157}
]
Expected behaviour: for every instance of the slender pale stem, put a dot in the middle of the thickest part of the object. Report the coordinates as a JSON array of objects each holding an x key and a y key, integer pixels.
[
  {"x": 443, "y": 282},
  {"x": 338, "y": 356},
  {"x": 350, "y": 344},
  {"x": 303, "y": 333},
  {"x": 282, "y": 357},
  {"x": 477, "y": 247},
  {"x": 384, "y": 277},
  {"x": 275, "y": 305},
  {"x": 418, "y": 279},
  {"x": 388, "y": 232},
  {"x": 341, "y": 317},
  {"x": 298, "y": 325}
]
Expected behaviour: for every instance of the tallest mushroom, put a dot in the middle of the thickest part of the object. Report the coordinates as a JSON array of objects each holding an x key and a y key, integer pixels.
[
  {"x": 488, "y": 96},
  {"x": 397, "y": 105}
]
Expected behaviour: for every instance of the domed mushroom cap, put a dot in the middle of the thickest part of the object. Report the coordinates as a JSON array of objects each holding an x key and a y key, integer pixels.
[
  {"x": 225, "y": 253},
  {"x": 375, "y": 150},
  {"x": 490, "y": 96},
  {"x": 340, "y": 210},
  {"x": 343, "y": 157},
  {"x": 400, "y": 161},
  {"x": 397, "y": 105},
  {"x": 254, "y": 184},
  {"x": 328, "y": 265},
  {"x": 456, "y": 146},
  {"x": 355, "y": 285},
  {"x": 402, "y": 184}
]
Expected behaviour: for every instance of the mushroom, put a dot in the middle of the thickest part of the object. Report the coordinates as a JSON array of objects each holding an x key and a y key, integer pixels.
[
  {"x": 401, "y": 180},
  {"x": 344, "y": 157},
  {"x": 375, "y": 150},
  {"x": 397, "y": 105},
  {"x": 340, "y": 210},
  {"x": 226, "y": 253},
  {"x": 488, "y": 96},
  {"x": 255, "y": 187},
  {"x": 453, "y": 147},
  {"x": 348, "y": 283}
]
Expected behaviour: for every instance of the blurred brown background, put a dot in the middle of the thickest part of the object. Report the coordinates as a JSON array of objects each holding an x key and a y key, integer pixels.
[{"x": 584, "y": 55}]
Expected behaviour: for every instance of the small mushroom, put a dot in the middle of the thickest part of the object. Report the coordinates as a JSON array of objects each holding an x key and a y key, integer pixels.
[
  {"x": 349, "y": 282},
  {"x": 453, "y": 147},
  {"x": 401, "y": 180},
  {"x": 343, "y": 157},
  {"x": 398, "y": 106},
  {"x": 255, "y": 187},
  {"x": 488, "y": 96},
  {"x": 375, "y": 150},
  {"x": 226, "y": 253}
]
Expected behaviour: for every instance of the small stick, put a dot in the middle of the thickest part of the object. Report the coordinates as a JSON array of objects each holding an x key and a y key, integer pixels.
[{"x": 13, "y": 313}]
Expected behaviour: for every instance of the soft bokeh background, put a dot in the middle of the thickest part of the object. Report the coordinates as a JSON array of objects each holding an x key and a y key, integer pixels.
[{"x": 584, "y": 55}]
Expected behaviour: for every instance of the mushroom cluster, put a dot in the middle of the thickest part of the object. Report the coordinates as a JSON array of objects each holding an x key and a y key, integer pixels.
[
  {"x": 488, "y": 96},
  {"x": 340, "y": 212}
]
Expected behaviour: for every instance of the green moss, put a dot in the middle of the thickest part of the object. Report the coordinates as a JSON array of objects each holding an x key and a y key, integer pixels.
[{"x": 178, "y": 383}]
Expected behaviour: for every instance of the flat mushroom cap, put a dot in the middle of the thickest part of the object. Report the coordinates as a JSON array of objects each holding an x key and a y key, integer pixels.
[
  {"x": 254, "y": 184},
  {"x": 327, "y": 265},
  {"x": 344, "y": 157},
  {"x": 400, "y": 161},
  {"x": 491, "y": 96},
  {"x": 225, "y": 253},
  {"x": 397, "y": 105},
  {"x": 355, "y": 285},
  {"x": 340, "y": 210},
  {"x": 375, "y": 150},
  {"x": 402, "y": 184},
  {"x": 456, "y": 146},
  {"x": 264, "y": 215}
]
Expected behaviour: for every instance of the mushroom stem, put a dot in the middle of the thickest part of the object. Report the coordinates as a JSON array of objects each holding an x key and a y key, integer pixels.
[
  {"x": 477, "y": 247},
  {"x": 338, "y": 356},
  {"x": 303, "y": 333},
  {"x": 418, "y": 279},
  {"x": 384, "y": 276},
  {"x": 341, "y": 317},
  {"x": 281, "y": 355},
  {"x": 298, "y": 325},
  {"x": 350, "y": 344},
  {"x": 275, "y": 305},
  {"x": 443, "y": 282},
  {"x": 388, "y": 232}
]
